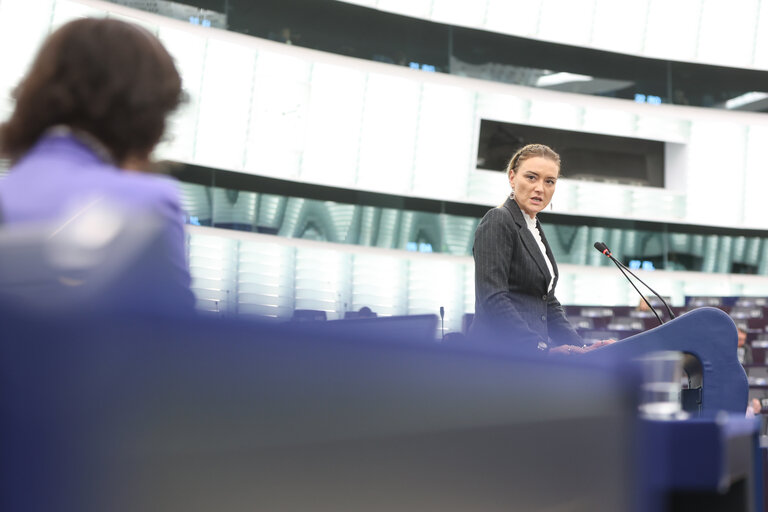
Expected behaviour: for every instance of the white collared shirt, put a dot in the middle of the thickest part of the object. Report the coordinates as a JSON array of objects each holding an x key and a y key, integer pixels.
[{"x": 531, "y": 222}]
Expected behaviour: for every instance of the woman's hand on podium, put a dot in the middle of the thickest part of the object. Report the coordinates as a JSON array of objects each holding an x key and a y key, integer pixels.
[
  {"x": 575, "y": 349},
  {"x": 567, "y": 350},
  {"x": 598, "y": 344}
]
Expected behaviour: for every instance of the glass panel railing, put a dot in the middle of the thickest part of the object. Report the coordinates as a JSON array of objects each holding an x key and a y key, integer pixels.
[{"x": 448, "y": 228}]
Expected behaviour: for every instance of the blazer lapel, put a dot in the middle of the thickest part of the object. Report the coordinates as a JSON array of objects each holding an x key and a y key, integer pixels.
[{"x": 528, "y": 241}]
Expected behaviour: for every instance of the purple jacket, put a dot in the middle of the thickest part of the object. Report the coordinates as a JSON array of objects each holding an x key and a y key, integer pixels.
[{"x": 61, "y": 173}]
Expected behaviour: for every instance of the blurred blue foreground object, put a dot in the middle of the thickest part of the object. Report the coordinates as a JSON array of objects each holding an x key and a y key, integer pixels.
[{"x": 126, "y": 412}]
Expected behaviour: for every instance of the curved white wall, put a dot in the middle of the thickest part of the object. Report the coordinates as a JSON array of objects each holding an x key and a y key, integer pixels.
[
  {"x": 681, "y": 30},
  {"x": 276, "y": 110}
]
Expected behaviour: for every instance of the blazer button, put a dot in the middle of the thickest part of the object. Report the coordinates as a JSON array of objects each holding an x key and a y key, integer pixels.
[
  {"x": 543, "y": 297},
  {"x": 543, "y": 318}
]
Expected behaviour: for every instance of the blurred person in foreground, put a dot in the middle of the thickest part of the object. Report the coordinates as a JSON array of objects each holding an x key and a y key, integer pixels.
[
  {"x": 88, "y": 114},
  {"x": 515, "y": 270}
]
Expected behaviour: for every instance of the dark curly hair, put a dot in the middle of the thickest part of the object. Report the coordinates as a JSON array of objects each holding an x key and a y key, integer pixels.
[{"x": 111, "y": 79}]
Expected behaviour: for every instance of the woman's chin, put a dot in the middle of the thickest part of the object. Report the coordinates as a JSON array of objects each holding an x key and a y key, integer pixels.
[{"x": 534, "y": 208}]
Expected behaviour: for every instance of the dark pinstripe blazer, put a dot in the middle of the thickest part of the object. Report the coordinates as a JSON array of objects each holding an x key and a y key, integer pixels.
[{"x": 511, "y": 279}]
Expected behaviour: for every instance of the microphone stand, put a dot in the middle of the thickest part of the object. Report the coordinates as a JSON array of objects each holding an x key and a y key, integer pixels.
[
  {"x": 618, "y": 266},
  {"x": 600, "y": 246}
]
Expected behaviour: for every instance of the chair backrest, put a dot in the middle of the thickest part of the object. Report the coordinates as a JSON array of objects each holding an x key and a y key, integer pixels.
[
  {"x": 466, "y": 322},
  {"x": 626, "y": 323},
  {"x": 309, "y": 315},
  {"x": 101, "y": 259},
  {"x": 412, "y": 327},
  {"x": 751, "y": 302},
  {"x": 656, "y": 302},
  {"x": 582, "y": 322},
  {"x": 596, "y": 312},
  {"x": 700, "y": 302},
  {"x": 738, "y": 313}
]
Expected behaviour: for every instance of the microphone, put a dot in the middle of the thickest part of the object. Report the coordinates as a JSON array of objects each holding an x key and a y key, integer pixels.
[
  {"x": 442, "y": 322},
  {"x": 600, "y": 246}
]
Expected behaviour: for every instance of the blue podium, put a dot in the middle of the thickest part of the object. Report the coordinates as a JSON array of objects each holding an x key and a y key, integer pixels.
[{"x": 707, "y": 338}]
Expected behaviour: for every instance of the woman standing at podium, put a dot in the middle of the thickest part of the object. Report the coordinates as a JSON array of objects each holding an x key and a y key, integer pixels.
[{"x": 515, "y": 270}]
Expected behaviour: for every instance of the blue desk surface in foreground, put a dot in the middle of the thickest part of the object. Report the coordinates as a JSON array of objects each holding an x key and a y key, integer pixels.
[
  {"x": 187, "y": 414},
  {"x": 715, "y": 460}
]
